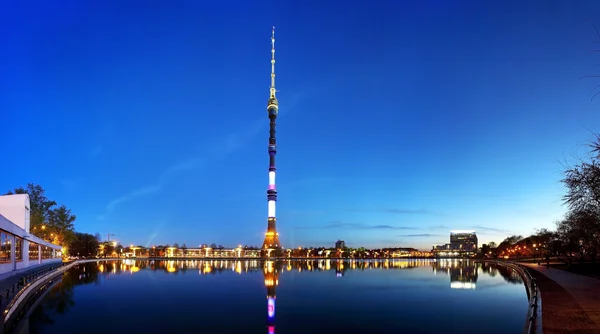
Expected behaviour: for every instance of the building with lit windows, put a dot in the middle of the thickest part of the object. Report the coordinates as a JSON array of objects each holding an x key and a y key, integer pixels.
[
  {"x": 18, "y": 248},
  {"x": 462, "y": 244},
  {"x": 466, "y": 240}
]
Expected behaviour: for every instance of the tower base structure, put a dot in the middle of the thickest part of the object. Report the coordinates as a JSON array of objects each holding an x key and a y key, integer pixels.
[
  {"x": 271, "y": 246},
  {"x": 271, "y": 253}
]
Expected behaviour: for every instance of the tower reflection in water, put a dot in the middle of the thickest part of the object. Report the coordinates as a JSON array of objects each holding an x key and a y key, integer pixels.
[
  {"x": 271, "y": 271},
  {"x": 339, "y": 269}
]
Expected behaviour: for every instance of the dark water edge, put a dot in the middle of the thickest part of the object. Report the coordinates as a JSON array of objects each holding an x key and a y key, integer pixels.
[{"x": 318, "y": 296}]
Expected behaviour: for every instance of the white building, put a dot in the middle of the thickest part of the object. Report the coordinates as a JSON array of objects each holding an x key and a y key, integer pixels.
[{"x": 18, "y": 248}]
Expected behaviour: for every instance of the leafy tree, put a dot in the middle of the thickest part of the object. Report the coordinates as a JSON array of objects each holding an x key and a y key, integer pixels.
[
  {"x": 492, "y": 245},
  {"x": 60, "y": 224},
  {"x": 51, "y": 223},
  {"x": 83, "y": 244},
  {"x": 108, "y": 247},
  {"x": 40, "y": 205}
]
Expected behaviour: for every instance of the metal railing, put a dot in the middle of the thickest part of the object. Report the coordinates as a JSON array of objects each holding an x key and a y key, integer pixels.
[
  {"x": 533, "y": 322},
  {"x": 8, "y": 294}
]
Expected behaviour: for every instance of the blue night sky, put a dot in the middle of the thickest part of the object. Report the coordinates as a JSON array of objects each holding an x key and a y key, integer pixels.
[{"x": 397, "y": 122}]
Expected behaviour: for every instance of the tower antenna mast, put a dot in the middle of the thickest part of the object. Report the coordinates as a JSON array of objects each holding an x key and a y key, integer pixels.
[{"x": 272, "y": 89}]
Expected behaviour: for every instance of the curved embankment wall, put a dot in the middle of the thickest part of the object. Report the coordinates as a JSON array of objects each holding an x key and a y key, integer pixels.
[
  {"x": 11, "y": 314},
  {"x": 533, "y": 321}
]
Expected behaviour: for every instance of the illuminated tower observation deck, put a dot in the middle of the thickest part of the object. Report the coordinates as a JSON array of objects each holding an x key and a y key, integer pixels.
[{"x": 271, "y": 245}]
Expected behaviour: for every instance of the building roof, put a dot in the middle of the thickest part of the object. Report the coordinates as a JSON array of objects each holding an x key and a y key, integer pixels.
[
  {"x": 4, "y": 220},
  {"x": 10, "y": 227}
]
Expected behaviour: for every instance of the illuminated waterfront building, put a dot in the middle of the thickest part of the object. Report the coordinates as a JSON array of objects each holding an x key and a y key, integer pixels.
[
  {"x": 466, "y": 240},
  {"x": 462, "y": 243},
  {"x": 271, "y": 246},
  {"x": 406, "y": 252},
  {"x": 19, "y": 247}
]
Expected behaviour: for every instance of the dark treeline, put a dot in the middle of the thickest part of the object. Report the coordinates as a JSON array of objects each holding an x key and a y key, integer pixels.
[{"x": 577, "y": 235}]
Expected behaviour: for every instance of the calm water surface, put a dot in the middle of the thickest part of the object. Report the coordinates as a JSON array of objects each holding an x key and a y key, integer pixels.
[{"x": 320, "y": 296}]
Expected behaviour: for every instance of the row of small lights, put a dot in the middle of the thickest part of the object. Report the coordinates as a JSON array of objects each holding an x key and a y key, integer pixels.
[{"x": 518, "y": 248}]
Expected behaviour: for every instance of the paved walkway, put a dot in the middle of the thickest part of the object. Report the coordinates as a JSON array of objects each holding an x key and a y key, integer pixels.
[{"x": 584, "y": 290}]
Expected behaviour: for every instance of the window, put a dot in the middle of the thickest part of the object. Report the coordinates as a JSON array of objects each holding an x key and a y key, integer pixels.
[
  {"x": 46, "y": 252},
  {"x": 5, "y": 247},
  {"x": 18, "y": 249},
  {"x": 33, "y": 251}
]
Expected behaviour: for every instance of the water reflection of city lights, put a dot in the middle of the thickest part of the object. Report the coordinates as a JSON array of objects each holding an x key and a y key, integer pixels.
[
  {"x": 462, "y": 285},
  {"x": 462, "y": 275},
  {"x": 171, "y": 267}
]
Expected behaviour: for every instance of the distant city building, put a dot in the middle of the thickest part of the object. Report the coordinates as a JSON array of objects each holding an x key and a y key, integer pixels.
[
  {"x": 465, "y": 240},
  {"x": 462, "y": 243},
  {"x": 408, "y": 252},
  {"x": 340, "y": 244},
  {"x": 403, "y": 252}
]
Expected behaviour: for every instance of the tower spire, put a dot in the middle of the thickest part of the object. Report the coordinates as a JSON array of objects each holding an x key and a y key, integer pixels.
[{"x": 272, "y": 90}]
